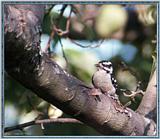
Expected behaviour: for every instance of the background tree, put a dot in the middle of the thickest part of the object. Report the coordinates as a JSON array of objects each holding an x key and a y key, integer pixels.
[{"x": 116, "y": 30}]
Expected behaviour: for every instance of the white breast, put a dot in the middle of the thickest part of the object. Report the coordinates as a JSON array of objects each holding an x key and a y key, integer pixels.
[{"x": 102, "y": 80}]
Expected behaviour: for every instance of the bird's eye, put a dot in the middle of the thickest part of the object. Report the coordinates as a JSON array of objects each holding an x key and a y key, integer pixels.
[
  {"x": 107, "y": 71},
  {"x": 109, "y": 66}
]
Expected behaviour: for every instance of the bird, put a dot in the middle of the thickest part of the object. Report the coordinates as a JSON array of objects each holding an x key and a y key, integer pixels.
[
  {"x": 104, "y": 81},
  {"x": 103, "y": 78}
]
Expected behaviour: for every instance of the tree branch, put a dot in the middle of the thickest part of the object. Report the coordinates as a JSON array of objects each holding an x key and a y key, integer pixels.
[
  {"x": 25, "y": 63},
  {"x": 148, "y": 104},
  {"x": 44, "y": 121}
]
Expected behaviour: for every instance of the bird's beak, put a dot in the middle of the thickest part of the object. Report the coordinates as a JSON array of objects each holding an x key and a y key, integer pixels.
[{"x": 97, "y": 65}]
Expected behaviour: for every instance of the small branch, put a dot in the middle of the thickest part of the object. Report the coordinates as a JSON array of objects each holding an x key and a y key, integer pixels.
[
  {"x": 62, "y": 11},
  {"x": 87, "y": 46},
  {"x": 56, "y": 29},
  {"x": 41, "y": 122},
  {"x": 75, "y": 10},
  {"x": 49, "y": 41},
  {"x": 133, "y": 93},
  {"x": 20, "y": 126},
  {"x": 58, "y": 120},
  {"x": 63, "y": 50},
  {"x": 60, "y": 32}
]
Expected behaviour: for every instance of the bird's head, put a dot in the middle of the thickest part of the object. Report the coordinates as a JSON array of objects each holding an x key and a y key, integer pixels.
[{"x": 105, "y": 65}]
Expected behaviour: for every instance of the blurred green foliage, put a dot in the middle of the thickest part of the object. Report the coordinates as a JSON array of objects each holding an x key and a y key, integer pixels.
[
  {"x": 111, "y": 18},
  {"x": 81, "y": 64}
]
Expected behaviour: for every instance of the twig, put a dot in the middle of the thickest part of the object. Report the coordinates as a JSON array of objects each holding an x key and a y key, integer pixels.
[
  {"x": 62, "y": 11},
  {"x": 19, "y": 127},
  {"x": 58, "y": 120},
  {"x": 42, "y": 122},
  {"x": 75, "y": 11},
  {"x": 59, "y": 31},
  {"x": 55, "y": 29},
  {"x": 63, "y": 50},
  {"x": 49, "y": 8},
  {"x": 133, "y": 93},
  {"x": 87, "y": 46},
  {"x": 49, "y": 41}
]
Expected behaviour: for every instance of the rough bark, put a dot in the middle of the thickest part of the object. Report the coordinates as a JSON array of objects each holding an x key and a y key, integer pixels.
[
  {"x": 148, "y": 106},
  {"x": 145, "y": 108},
  {"x": 25, "y": 63}
]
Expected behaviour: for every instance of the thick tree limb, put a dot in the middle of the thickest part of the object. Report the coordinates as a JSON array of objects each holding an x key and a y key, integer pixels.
[
  {"x": 25, "y": 63},
  {"x": 148, "y": 104}
]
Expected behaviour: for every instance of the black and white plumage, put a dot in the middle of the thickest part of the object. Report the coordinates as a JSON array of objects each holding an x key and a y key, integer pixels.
[{"x": 103, "y": 78}]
